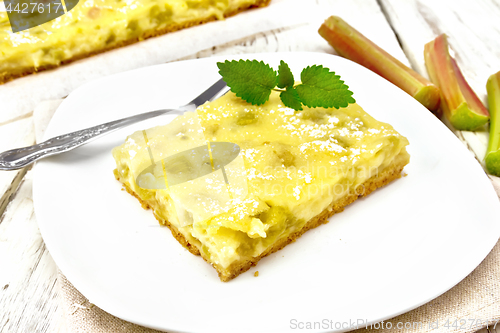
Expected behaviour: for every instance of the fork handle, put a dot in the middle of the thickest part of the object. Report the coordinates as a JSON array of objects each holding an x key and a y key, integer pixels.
[{"x": 18, "y": 158}]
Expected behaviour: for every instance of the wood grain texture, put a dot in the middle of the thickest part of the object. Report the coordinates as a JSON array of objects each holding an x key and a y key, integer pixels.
[
  {"x": 472, "y": 28},
  {"x": 15, "y": 134},
  {"x": 28, "y": 294},
  {"x": 366, "y": 15},
  {"x": 28, "y": 290},
  {"x": 474, "y": 38}
]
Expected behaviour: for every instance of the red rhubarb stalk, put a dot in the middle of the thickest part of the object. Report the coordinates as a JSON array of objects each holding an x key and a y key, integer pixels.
[
  {"x": 492, "y": 159},
  {"x": 459, "y": 103},
  {"x": 351, "y": 44}
]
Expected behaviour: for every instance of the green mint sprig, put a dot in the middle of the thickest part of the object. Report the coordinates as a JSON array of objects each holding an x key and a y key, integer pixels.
[{"x": 253, "y": 81}]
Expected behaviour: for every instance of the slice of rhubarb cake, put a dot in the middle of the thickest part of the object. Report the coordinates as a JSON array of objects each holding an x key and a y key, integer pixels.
[
  {"x": 95, "y": 26},
  {"x": 235, "y": 182}
]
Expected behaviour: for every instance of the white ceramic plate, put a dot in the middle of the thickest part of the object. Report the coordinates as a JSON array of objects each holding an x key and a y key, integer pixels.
[{"x": 398, "y": 248}]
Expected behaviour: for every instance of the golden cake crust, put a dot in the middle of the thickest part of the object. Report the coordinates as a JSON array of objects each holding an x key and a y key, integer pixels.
[
  {"x": 226, "y": 274},
  {"x": 10, "y": 75}
]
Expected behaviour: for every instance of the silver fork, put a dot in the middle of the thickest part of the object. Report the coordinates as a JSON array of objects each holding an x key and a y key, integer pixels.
[{"x": 21, "y": 157}]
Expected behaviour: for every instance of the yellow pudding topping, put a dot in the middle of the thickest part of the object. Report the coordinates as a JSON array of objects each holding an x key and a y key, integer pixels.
[{"x": 293, "y": 166}]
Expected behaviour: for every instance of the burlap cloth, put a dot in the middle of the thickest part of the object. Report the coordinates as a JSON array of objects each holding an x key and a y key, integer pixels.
[{"x": 475, "y": 300}]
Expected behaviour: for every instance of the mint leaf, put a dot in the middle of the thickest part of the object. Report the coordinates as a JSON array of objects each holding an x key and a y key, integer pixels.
[
  {"x": 322, "y": 88},
  {"x": 253, "y": 81},
  {"x": 285, "y": 76},
  {"x": 250, "y": 80},
  {"x": 291, "y": 99}
]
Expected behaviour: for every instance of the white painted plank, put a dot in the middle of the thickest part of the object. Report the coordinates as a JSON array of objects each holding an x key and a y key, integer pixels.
[
  {"x": 17, "y": 134},
  {"x": 472, "y": 27},
  {"x": 28, "y": 293},
  {"x": 474, "y": 37},
  {"x": 13, "y": 135},
  {"x": 365, "y": 15}
]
